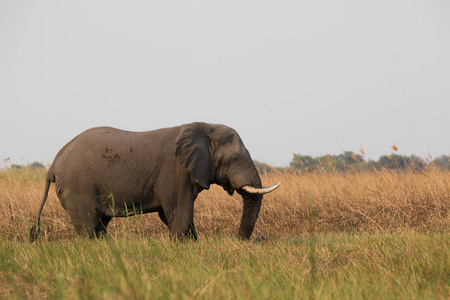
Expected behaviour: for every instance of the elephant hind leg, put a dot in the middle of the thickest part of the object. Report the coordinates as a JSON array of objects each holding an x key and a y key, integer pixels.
[
  {"x": 91, "y": 225},
  {"x": 85, "y": 215},
  {"x": 100, "y": 228}
]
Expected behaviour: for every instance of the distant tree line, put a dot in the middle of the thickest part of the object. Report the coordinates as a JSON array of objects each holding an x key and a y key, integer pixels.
[
  {"x": 349, "y": 161},
  {"x": 34, "y": 166}
]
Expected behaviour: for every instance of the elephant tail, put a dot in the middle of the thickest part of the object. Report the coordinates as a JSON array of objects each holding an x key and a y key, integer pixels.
[{"x": 34, "y": 231}]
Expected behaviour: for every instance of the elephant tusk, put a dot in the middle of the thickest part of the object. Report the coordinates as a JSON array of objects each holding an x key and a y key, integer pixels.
[{"x": 264, "y": 190}]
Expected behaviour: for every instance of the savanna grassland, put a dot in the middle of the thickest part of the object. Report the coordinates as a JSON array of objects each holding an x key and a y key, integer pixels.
[{"x": 354, "y": 235}]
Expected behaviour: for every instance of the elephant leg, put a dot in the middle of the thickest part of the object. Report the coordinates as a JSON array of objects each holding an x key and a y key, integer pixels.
[
  {"x": 182, "y": 228},
  {"x": 162, "y": 216},
  {"x": 83, "y": 211},
  {"x": 100, "y": 228},
  {"x": 181, "y": 221},
  {"x": 192, "y": 233},
  {"x": 91, "y": 225}
]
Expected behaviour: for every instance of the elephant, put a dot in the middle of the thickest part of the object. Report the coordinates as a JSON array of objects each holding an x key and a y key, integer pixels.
[{"x": 106, "y": 172}]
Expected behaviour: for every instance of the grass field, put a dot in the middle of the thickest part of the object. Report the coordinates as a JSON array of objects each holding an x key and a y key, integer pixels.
[{"x": 366, "y": 235}]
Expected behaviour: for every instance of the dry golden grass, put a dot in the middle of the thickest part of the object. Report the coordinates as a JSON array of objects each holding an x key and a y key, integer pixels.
[
  {"x": 372, "y": 201},
  {"x": 363, "y": 201}
]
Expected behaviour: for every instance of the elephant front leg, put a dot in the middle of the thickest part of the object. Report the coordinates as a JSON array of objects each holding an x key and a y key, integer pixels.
[
  {"x": 183, "y": 228},
  {"x": 192, "y": 233},
  {"x": 181, "y": 221},
  {"x": 162, "y": 216}
]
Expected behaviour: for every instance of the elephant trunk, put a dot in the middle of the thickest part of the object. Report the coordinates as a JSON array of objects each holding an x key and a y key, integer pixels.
[
  {"x": 244, "y": 177},
  {"x": 252, "y": 205}
]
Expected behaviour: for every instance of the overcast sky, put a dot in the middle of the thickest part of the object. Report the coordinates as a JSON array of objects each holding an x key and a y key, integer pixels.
[{"x": 310, "y": 77}]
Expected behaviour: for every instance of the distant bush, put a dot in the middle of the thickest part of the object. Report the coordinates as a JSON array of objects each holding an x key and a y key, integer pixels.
[
  {"x": 342, "y": 162},
  {"x": 36, "y": 165},
  {"x": 442, "y": 162}
]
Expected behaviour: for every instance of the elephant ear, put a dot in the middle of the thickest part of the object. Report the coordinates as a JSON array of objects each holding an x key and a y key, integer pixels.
[{"x": 193, "y": 151}]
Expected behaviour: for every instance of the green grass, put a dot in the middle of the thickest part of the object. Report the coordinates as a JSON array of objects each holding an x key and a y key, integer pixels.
[{"x": 406, "y": 265}]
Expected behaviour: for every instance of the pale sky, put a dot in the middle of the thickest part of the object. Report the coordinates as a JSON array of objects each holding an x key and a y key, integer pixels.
[{"x": 310, "y": 77}]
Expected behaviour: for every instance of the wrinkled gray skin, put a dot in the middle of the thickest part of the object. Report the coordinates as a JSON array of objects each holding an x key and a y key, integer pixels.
[{"x": 106, "y": 172}]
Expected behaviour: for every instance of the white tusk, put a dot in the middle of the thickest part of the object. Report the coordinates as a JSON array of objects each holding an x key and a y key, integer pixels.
[{"x": 264, "y": 190}]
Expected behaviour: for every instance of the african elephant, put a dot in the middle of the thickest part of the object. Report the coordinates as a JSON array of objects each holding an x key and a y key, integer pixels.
[{"x": 106, "y": 172}]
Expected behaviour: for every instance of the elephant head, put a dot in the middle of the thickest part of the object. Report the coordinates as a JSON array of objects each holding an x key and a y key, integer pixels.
[{"x": 215, "y": 154}]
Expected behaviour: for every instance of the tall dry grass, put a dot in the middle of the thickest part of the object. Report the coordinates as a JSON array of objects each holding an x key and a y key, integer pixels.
[{"x": 375, "y": 201}]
